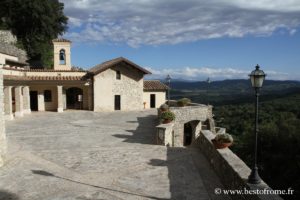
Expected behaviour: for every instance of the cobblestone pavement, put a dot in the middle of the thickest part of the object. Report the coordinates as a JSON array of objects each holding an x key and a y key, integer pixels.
[{"x": 83, "y": 155}]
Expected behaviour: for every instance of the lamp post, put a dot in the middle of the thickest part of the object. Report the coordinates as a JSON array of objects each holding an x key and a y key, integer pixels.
[
  {"x": 257, "y": 78},
  {"x": 168, "y": 79},
  {"x": 208, "y": 83}
]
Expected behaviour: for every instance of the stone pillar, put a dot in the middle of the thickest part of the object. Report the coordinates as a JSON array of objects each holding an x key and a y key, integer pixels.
[
  {"x": 19, "y": 101},
  {"x": 60, "y": 102},
  {"x": 8, "y": 103},
  {"x": 26, "y": 100},
  {"x": 85, "y": 99},
  {"x": 2, "y": 122},
  {"x": 90, "y": 97},
  {"x": 41, "y": 101}
]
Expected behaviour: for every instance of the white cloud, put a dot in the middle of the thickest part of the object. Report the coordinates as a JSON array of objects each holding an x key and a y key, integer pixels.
[
  {"x": 202, "y": 73},
  {"x": 155, "y": 22}
]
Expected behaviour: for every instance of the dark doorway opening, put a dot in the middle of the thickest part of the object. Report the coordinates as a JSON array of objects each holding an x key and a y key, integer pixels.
[
  {"x": 117, "y": 102},
  {"x": 188, "y": 134},
  {"x": 74, "y": 98},
  {"x": 152, "y": 101},
  {"x": 34, "y": 100}
]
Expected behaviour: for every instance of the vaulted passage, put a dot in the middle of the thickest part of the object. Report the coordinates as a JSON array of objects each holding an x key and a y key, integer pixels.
[
  {"x": 74, "y": 98},
  {"x": 188, "y": 134},
  {"x": 191, "y": 129}
]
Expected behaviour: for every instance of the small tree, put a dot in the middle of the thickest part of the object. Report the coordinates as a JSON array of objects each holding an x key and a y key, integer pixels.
[{"x": 35, "y": 23}]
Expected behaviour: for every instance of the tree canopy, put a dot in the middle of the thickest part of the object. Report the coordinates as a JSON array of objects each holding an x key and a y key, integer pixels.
[
  {"x": 279, "y": 139},
  {"x": 35, "y": 23}
]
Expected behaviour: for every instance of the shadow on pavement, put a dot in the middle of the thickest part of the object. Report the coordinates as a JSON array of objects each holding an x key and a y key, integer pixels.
[
  {"x": 5, "y": 195},
  {"x": 190, "y": 175},
  {"x": 144, "y": 133},
  {"x": 45, "y": 173}
]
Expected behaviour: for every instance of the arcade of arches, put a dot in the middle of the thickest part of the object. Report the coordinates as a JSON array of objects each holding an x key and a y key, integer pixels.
[{"x": 20, "y": 100}]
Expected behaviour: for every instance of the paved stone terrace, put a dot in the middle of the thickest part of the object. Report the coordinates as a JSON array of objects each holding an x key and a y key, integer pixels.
[{"x": 83, "y": 155}]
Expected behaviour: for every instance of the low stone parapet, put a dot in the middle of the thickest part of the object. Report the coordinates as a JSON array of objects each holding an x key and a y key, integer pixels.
[
  {"x": 232, "y": 171},
  {"x": 164, "y": 134}
]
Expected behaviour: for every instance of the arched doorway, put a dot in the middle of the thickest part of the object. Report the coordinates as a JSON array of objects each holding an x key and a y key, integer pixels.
[
  {"x": 74, "y": 98},
  {"x": 190, "y": 132},
  {"x": 187, "y": 134}
]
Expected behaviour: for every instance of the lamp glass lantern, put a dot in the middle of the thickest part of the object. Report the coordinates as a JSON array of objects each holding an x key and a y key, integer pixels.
[
  {"x": 168, "y": 79},
  {"x": 257, "y": 77}
]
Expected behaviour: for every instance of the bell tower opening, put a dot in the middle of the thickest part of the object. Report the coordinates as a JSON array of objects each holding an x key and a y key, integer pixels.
[
  {"x": 62, "y": 57},
  {"x": 62, "y": 54}
]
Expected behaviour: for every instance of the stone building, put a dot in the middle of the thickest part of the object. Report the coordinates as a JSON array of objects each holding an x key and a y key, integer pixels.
[
  {"x": 2, "y": 126},
  {"x": 117, "y": 84}
]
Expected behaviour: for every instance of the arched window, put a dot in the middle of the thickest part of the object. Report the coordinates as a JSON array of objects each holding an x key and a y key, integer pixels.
[{"x": 62, "y": 57}]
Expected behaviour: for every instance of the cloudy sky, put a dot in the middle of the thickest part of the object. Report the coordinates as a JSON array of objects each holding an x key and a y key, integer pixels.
[{"x": 189, "y": 39}]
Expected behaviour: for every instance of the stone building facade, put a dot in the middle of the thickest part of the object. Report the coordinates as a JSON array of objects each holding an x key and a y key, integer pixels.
[
  {"x": 119, "y": 81},
  {"x": 117, "y": 84}
]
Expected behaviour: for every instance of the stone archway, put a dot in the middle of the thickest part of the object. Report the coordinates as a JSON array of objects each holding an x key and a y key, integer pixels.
[
  {"x": 190, "y": 132},
  {"x": 74, "y": 98}
]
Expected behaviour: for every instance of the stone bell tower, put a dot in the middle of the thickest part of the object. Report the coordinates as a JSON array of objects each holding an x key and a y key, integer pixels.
[{"x": 62, "y": 54}]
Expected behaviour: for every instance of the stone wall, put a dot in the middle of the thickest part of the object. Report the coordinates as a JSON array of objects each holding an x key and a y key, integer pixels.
[
  {"x": 2, "y": 125},
  {"x": 232, "y": 171},
  {"x": 10, "y": 49},
  {"x": 7, "y": 46},
  {"x": 194, "y": 113},
  {"x": 7, "y": 37}
]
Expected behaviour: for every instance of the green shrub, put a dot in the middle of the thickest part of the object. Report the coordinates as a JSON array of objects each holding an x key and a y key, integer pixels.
[
  {"x": 168, "y": 115},
  {"x": 183, "y": 102}
]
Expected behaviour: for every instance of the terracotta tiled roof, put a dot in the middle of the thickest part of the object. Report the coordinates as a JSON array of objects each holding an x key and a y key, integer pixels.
[
  {"x": 43, "y": 78},
  {"x": 42, "y": 70},
  {"x": 108, "y": 64},
  {"x": 154, "y": 85},
  {"x": 60, "y": 40}
]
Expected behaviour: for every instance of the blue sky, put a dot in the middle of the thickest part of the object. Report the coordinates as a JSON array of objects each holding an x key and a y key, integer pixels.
[{"x": 189, "y": 39}]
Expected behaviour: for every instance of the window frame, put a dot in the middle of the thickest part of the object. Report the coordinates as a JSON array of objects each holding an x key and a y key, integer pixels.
[
  {"x": 118, "y": 75},
  {"x": 47, "y": 96}
]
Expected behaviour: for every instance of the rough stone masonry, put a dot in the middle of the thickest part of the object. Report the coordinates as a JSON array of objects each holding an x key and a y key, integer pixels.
[{"x": 2, "y": 127}]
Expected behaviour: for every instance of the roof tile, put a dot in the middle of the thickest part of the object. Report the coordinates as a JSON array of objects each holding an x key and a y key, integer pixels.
[
  {"x": 60, "y": 40},
  {"x": 108, "y": 64},
  {"x": 154, "y": 85},
  {"x": 43, "y": 78}
]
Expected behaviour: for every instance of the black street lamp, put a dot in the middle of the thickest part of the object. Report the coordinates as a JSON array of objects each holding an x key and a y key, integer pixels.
[
  {"x": 257, "y": 78},
  {"x": 168, "y": 79},
  {"x": 208, "y": 83}
]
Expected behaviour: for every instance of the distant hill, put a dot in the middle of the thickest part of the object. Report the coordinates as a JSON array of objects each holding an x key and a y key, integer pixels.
[
  {"x": 231, "y": 91},
  {"x": 232, "y": 85}
]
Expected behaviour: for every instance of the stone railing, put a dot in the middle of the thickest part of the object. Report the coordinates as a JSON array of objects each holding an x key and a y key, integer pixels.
[
  {"x": 195, "y": 114},
  {"x": 7, "y": 37},
  {"x": 232, "y": 171}
]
